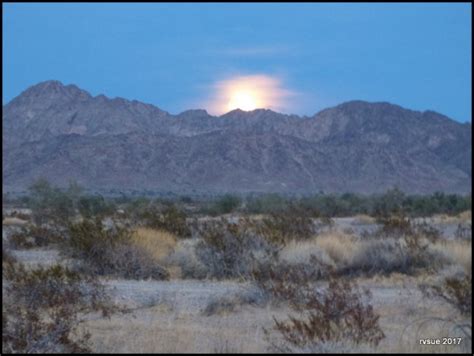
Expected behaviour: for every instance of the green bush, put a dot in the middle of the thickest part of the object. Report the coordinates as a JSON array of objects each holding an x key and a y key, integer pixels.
[
  {"x": 281, "y": 227},
  {"x": 50, "y": 203},
  {"x": 225, "y": 205},
  {"x": 94, "y": 206},
  {"x": 266, "y": 204}
]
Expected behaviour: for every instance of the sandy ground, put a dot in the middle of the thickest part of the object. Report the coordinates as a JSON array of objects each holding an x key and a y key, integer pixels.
[{"x": 170, "y": 317}]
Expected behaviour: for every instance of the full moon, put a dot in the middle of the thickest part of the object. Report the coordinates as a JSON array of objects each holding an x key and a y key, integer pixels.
[
  {"x": 248, "y": 93},
  {"x": 243, "y": 99}
]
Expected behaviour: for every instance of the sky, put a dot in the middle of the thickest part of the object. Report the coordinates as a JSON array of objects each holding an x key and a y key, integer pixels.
[{"x": 291, "y": 57}]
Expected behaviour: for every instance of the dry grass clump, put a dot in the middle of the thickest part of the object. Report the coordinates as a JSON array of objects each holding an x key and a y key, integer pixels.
[
  {"x": 14, "y": 221},
  {"x": 445, "y": 219},
  {"x": 370, "y": 256},
  {"x": 465, "y": 216},
  {"x": 354, "y": 256},
  {"x": 183, "y": 262},
  {"x": 340, "y": 247},
  {"x": 170, "y": 219},
  {"x": 296, "y": 252},
  {"x": 159, "y": 243},
  {"x": 363, "y": 219},
  {"x": 111, "y": 251},
  {"x": 455, "y": 252}
]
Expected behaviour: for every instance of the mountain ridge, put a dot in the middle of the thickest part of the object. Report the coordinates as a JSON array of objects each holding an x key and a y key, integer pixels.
[{"x": 355, "y": 146}]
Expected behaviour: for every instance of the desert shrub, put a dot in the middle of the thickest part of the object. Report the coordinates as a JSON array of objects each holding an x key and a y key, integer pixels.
[
  {"x": 35, "y": 236},
  {"x": 401, "y": 226},
  {"x": 42, "y": 309},
  {"x": 394, "y": 226},
  {"x": 280, "y": 279},
  {"x": 128, "y": 260},
  {"x": 389, "y": 203},
  {"x": 49, "y": 203},
  {"x": 170, "y": 219},
  {"x": 463, "y": 231},
  {"x": 354, "y": 256},
  {"x": 455, "y": 252},
  {"x": 426, "y": 230},
  {"x": 111, "y": 251},
  {"x": 341, "y": 312},
  {"x": 385, "y": 257},
  {"x": 7, "y": 257},
  {"x": 232, "y": 250},
  {"x": 265, "y": 204},
  {"x": 89, "y": 238},
  {"x": 159, "y": 243},
  {"x": 282, "y": 227},
  {"x": 137, "y": 209},
  {"x": 304, "y": 251},
  {"x": 456, "y": 291},
  {"x": 184, "y": 256},
  {"x": 224, "y": 205},
  {"x": 94, "y": 206},
  {"x": 363, "y": 219},
  {"x": 20, "y": 215},
  {"x": 326, "y": 205}
]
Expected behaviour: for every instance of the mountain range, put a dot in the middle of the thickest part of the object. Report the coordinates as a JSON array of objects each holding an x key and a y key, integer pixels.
[{"x": 61, "y": 132}]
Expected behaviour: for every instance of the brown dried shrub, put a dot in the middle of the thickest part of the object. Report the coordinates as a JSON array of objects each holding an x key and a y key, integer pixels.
[
  {"x": 282, "y": 227},
  {"x": 42, "y": 309},
  {"x": 170, "y": 219},
  {"x": 33, "y": 236},
  {"x": 394, "y": 226},
  {"x": 341, "y": 312},
  {"x": 456, "y": 291}
]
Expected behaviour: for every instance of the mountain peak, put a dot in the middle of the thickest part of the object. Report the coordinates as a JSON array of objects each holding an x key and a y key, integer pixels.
[{"x": 54, "y": 89}]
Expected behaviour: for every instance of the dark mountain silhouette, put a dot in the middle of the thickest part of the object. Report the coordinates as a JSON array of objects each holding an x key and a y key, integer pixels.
[{"x": 62, "y": 132}]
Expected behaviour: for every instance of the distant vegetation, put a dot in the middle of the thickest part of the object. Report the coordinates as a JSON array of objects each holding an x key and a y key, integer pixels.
[{"x": 48, "y": 201}]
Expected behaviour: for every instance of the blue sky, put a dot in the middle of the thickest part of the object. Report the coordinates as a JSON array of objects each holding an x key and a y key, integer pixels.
[{"x": 172, "y": 55}]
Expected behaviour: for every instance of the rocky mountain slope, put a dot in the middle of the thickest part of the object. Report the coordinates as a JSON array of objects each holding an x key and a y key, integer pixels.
[{"x": 62, "y": 132}]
